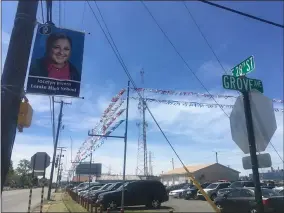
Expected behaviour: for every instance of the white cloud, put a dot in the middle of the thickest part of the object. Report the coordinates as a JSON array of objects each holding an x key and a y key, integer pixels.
[{"x": 5, "y": 38}]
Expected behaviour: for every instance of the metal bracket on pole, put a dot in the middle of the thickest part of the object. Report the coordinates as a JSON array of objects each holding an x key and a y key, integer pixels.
[{"x": 105, "y": 136}]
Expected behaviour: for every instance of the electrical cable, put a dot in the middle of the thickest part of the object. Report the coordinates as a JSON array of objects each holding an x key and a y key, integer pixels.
[
  {"x": 83, "y": 16},
  {"x": 181, "y": 56},
  {"x": 242, "y": 13},
  {"x": 133, "y": 83},
  {"x": 217, "y": 58}
]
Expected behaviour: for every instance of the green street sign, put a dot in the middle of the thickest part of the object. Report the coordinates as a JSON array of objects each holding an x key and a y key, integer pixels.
[
  {"x": 241, "y": 83},
  {"x": 244, "y": 67}
]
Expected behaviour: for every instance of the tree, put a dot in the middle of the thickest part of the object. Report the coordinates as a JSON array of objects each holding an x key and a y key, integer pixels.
[
  {"x": 24, "y": 167},
  {"x": 24, "y": 171}
]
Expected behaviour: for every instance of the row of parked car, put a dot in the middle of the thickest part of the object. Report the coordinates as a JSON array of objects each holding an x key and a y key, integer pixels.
[
  {"x": 234, "y": 197},
  {"x": 150, "y": 193}
]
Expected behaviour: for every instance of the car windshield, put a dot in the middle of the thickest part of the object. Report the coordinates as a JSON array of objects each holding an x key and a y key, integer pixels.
[
  {"x": 116, "y": 186},
  {"x": 120, "y": 188},
  {"x": 104, "y": 187},
  {"x": 212, "y": 186},
  {"x": 267, "y": 192},
  {"x": 236, "y": 184}
]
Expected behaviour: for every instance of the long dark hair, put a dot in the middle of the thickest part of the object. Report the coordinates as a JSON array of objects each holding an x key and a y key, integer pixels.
[{"x": 54, "y": 37}]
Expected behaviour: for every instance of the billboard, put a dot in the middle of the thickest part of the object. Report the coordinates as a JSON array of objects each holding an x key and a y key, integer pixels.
[
  {"x": 87, "y": 169},
  {"x": 56, "y": 63}
]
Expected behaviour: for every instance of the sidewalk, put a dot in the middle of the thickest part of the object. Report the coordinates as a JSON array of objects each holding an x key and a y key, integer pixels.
[{"x": 60, "y": 202}]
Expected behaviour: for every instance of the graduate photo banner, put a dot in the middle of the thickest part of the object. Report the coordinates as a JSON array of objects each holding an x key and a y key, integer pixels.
[
  {"x": 182, "y": 93},
  {"x": 56, "y": 62}
]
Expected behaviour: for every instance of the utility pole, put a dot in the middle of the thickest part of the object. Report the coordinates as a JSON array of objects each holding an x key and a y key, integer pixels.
[
  {"x": 216, "y": 153},
  {"x": 13, "y": 78},
  {"x": 173, "y": 166},
  {"x": 252, "y": 149},
  {"x": 59, "y": 166},
  {"x": 55, "y": 148}
]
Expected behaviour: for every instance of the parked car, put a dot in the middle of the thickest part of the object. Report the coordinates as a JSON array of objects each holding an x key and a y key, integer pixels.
[
  {"x": 242, "y": 184},
  {"x": 94, "y": 195},
  {"x": 191, "y": 193},
  {"x": 143, "y": 192},
  {"x": 175, "y": 187},
  {"x": 243, "y": 200},
  {"x": 212, "y": 189},
  {"x": 85, "y": 186},
  {"x": 93, "y": 188},
  {"x": 236, "y": 184},
  {"x": 178, "y": 193}
]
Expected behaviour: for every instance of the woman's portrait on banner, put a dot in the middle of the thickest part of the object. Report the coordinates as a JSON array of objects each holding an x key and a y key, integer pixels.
[{"x": 55, "y": 63}]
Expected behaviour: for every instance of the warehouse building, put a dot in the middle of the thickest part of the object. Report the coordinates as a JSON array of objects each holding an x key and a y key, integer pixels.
[{"x": 202, "y": 173}]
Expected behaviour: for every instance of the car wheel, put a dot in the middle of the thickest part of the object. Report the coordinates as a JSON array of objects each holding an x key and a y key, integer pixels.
[
  {"x": 253, "y": 211},
  {"x": 179, "y": 195},
  {"x": 156, "y": 204},
  {"x": 219, "y": 206},
  {"x": 112, "y": 205},
  {"x": 213, "y": 197},
  {"x": 195, "y": 197}
]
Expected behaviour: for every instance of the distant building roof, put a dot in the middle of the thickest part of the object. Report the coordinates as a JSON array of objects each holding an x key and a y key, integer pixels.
[{"x": 192, "y": 169}]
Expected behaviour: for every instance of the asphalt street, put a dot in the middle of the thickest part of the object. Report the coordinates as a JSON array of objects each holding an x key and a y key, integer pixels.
[
  {"x": 17, "y": 200},
  {"x": 181, "y": 205}
]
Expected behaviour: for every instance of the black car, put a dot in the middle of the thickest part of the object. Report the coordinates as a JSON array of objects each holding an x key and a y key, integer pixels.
[
  {"x": 191, "y": 193},
  {"x": 243, "y": 200},
  {"x": 94, "y": 189},
  {"x": 142, "y": 192},
  {"x": 177, "y": 186},
  {"x": 236, "y": 184},
  {"x": 112, "y": 187}
]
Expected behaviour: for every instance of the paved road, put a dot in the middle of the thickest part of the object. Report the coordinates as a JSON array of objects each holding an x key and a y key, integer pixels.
[
  {"x": 17, "y": 200},
  {"x": 181, "y": 205}
]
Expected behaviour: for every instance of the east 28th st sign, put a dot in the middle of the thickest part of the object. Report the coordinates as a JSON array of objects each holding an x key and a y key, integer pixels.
[{"x": 241, "y": 83}]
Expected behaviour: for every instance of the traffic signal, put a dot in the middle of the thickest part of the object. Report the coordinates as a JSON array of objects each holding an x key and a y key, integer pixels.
[{"x": 25, "y": 115}]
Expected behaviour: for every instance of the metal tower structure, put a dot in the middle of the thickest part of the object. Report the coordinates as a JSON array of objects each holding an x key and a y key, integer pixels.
[
  {"x": 142, "y": 159},
  {"x": 150, "y": 164}
]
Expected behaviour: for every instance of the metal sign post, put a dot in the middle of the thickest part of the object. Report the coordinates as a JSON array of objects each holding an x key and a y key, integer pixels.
[
  {"x": 252, "y": 149},
  {"x": 42, "y": 189},
  {"x": 125, "y": 146},
  {"x": 31, "y": 186}
]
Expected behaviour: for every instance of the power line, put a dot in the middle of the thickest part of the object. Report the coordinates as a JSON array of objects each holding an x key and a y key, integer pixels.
[
  {"x": 181, "y": 56},
  {"x": 242, "y": 13},
  {"x": 217, "y": 58},
  {"x": 114, "y": 48}
]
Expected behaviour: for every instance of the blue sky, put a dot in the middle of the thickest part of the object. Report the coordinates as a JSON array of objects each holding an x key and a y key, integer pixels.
[{"x": 195, "y": 132}]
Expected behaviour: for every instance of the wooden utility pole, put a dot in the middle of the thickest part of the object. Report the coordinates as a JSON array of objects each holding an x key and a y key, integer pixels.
[{"x": 13, "y": 78}]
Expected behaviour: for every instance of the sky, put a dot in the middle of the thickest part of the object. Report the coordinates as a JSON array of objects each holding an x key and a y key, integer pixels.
[{"x": 196, "y": 133}]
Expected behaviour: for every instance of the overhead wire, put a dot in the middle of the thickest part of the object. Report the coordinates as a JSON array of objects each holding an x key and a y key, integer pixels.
[
  {"x": 115, "y": 50},
  {"x": 217, "y": 58},
  {"x": 182, "y": 58},
  {"x": 242, "y": 13}
]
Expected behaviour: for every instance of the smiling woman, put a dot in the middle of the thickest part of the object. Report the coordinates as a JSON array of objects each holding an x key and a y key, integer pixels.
[{"x": 55, "y": 64}]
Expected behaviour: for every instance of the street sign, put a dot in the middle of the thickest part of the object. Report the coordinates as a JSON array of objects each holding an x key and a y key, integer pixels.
[
  {"x": 41, "y": 160},
  {"x": 264, "y": 161},
  {"x": 264, "y": 122},
  {"x": 241, "y": 83},
  {"x": 244, "y": 67}
]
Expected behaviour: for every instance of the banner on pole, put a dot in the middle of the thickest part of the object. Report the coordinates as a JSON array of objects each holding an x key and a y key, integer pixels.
[{"x": 56, "y": 63}]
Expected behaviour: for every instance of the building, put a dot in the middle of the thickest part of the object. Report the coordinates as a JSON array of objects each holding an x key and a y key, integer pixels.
[{"x": 202, "y": 173}]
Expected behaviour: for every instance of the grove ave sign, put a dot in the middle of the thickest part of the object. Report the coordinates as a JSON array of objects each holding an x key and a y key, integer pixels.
[
  {"x": 264, "y": 122},
  {"x": 241, "y": 83}
]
